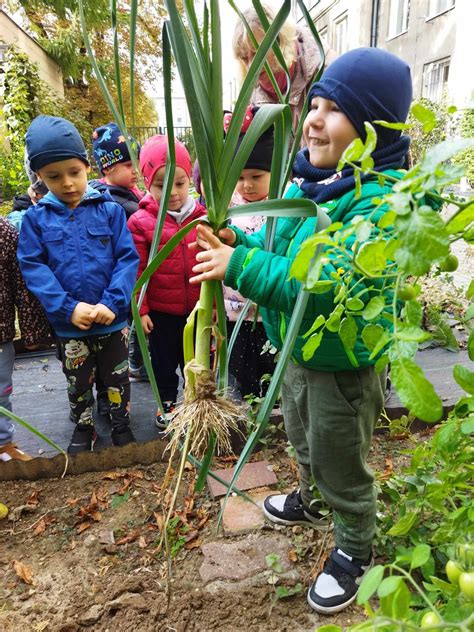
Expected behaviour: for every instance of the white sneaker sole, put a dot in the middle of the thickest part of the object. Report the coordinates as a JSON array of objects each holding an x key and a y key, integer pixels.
[{"x": 329, "y": 609}]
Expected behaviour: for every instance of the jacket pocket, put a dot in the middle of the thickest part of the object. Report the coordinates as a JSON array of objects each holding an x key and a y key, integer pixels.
[
  {"x": 53, "y": 239},
  {"x": 100, "y": 238}
]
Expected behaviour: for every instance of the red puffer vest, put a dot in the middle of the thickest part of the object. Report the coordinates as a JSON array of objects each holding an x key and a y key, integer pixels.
[{"x": 169, "y": 290}]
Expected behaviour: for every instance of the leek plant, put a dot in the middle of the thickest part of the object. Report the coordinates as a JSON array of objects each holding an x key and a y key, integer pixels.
[{"x": 202, "y": 422}]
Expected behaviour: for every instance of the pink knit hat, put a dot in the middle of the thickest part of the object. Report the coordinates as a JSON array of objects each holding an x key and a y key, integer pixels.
[{"x": 153, "y": 156}]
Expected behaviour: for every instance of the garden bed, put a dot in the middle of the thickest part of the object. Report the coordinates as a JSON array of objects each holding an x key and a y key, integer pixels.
[{"x": 81, "y": 554}]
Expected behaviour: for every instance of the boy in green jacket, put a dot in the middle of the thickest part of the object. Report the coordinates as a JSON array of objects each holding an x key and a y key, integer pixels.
[{"x": 330, "y": 407}]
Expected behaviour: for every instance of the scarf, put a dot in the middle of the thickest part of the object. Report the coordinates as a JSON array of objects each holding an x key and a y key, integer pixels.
[
  {"x": 184, "y": 212},
  {"x": 322, "y": 185}
]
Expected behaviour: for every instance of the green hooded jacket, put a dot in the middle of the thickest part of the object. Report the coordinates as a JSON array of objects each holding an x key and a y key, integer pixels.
[{"x": 264, "y": 276}]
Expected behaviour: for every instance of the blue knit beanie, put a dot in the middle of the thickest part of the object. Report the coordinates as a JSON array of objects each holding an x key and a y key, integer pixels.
[
  {"x": 51, "y": 139},
  {"x": 368, "y": 84},
  {"x": 109, "y": 146}
]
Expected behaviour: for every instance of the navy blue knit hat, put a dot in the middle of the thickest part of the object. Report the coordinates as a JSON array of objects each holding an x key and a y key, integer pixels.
[
  {"x": 109, "y": 146},
  {"x": 368, "y": 84},
  {"x": 51, "y": 139}
]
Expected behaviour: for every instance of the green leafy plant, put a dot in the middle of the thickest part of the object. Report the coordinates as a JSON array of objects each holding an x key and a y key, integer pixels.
[
  {"x": 433, "y": 492},
  {"x": 408, "y": 240},
  {"x": 273, "y": 562}
]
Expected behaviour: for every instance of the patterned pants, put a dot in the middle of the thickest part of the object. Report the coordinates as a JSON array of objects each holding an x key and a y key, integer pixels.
[{"x": 101, "y": 356}]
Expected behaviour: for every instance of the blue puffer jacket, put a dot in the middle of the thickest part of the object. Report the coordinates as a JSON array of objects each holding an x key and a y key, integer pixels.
[{"x": 83, "y": 254}]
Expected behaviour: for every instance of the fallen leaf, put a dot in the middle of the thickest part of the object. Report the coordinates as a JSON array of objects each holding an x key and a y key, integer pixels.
[
  {"x": 194, "y": 544},
  {"x": 34, "y": 498},
  {"x": 142, "y": 542},
  {"x": 72, "y": 545},
  {"x": 130, "y": 537},
  {"x": 191, "y": 535},
  {"x": 40, "y": 527},
  {"x": 159, "y": 520},
  {"x": 73, "y": 502},
  {"x": 292, "y": 555},
  {"x": 96, "y": 515},
  {"x": 24, "y": 572},
  {"x": 83, "y": 526},
  {"x": 387, "y": 473}
]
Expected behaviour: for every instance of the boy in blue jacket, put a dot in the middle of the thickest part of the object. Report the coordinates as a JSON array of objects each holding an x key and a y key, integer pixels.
[{"x": 77, "y": 256}]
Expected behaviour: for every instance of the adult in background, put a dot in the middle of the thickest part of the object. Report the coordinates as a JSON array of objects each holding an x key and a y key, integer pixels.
[{"x": 299, "y": 49}]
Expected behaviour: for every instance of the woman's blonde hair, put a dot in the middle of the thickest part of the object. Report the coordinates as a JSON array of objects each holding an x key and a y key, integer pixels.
[{"x": 244, "y": 49}]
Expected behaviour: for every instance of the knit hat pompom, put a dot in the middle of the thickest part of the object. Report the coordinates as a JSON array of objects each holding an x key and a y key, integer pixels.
[
  {"x": 368, "y": 84},
  {"x": 51, "y": 139},
  {"x": 153, "y": 156},
  {"x": 109, "y": 146},
  {"x": 262, "y": 153}
]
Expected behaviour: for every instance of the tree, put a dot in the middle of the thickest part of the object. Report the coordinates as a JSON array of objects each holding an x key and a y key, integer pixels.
[{"x": 55, "y": 25}]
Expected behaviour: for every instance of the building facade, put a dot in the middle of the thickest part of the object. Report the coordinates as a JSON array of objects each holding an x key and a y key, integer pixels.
[
  {"x": 11, "y": 34},
  {"x": 432, "y": 36}
]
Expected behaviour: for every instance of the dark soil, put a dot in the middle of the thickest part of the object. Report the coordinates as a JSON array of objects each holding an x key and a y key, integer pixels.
[{"x": 81, "y": 553}]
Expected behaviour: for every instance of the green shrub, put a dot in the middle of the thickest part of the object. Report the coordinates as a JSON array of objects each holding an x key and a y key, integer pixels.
[{"x": 466, "y": 130}]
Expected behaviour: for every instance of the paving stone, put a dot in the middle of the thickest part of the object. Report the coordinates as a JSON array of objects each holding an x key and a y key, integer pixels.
[
  {"x": 233, "y": 561},
  {"x": 241, "y": 516},
  {"x": 253, "y": 475}
]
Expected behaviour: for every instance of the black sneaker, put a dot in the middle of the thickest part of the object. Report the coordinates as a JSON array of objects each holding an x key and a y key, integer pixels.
[
  {"x": 337, "y": 585},
  {"x": 288, "y": 509},
  {"x": 82, "y": 440},
  {"x": 122, "y": 435},
  {"x": 138, "y": 375},
  {"x": 163, "y": 418}
]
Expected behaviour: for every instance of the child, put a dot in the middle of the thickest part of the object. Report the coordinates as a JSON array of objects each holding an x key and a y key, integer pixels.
[
  {"x": 113, "y": 159},
  {"x": 120, "y": 180},
  {"x": 34, "y": 327},
  {"x": 248, "y": 363},
  {"x": 169, "y": 298},
  {"x": 77, "y": 256},
  {"x": 330, "y": 408}
]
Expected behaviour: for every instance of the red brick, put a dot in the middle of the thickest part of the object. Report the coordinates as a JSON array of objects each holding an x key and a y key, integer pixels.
[{"x": 253, "y": 475}]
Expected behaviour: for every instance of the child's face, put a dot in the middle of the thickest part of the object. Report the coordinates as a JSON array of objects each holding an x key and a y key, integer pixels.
[
  {"x": 179, "y": 190},
  {"x": 67, "y": 179},
  {"x": 327, "y": 132},
  {"x": 122, "y": 174},
  {"x": 253, "y": 184}
]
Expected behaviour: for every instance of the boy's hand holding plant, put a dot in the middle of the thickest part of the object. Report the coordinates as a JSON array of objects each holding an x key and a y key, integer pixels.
[{"x": 215, "y": 255}]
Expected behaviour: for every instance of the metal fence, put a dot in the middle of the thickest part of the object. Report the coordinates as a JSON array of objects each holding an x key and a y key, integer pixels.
[
  {"x": 184, "y": 134},
  {"x": 143, "y": 132}
]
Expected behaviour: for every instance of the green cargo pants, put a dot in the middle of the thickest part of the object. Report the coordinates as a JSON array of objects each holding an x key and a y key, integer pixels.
[{"x": 329, "y": 420}]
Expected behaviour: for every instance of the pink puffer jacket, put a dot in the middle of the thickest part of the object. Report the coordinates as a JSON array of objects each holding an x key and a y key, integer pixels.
[{"x": 169, "y": 290}]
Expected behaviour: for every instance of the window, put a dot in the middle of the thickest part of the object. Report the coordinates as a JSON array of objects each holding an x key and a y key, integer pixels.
[
  {"x": 340, "y": 35},
  {"x": 435, "y": 79},
  {"x": 439, "y": 6},
  {"x": 309, "y": 4},
  {"x": 398, "y": 17}
]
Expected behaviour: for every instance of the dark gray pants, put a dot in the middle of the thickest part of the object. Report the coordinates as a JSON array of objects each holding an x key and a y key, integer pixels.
[{"x": 329, "y": 420}]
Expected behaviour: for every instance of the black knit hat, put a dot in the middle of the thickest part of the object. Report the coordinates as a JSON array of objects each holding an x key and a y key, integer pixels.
[{"x": 262, "y": 153}]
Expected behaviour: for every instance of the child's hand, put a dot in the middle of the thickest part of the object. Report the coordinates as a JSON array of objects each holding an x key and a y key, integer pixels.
[
  {"x": 81, "y": 316},
  {"x": 214, "y": 257},
  {"x": 147, "y": 323},
  {"x": 102, "y": 314},
  {"x": 227, "y": 235}
]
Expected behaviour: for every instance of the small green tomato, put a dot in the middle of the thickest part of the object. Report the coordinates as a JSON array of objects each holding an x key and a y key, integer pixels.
[
  {"x": 453, "y": 571},
  {"x": 449, "y": 264},
  {"x": 466, "y": 584},
  {"x": 406, "y": 293},
  {"x": 429, "y": 619}
]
